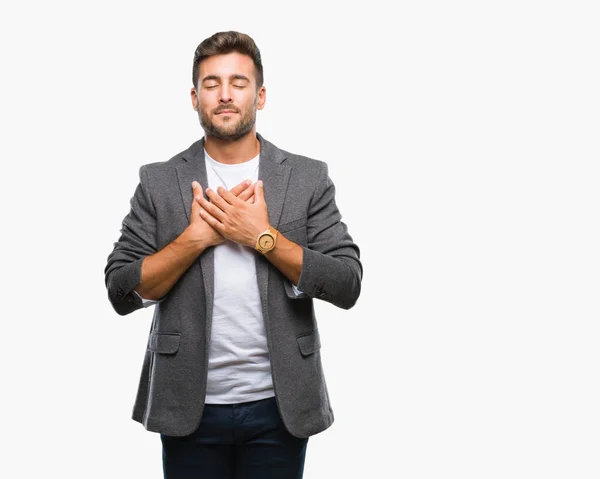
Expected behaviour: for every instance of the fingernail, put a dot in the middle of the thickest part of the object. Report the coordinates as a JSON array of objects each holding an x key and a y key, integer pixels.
[
  {"x": 208, "y": 190},
  {"x": 195, "y": 184},
  {"x": 247, "y": 182},
  {"x": 260, "y": 183}
]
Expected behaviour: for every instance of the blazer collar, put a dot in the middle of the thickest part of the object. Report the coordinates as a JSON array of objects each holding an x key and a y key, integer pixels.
[
  {"x": 195, "y": 153},
  {"x": 271, "y": 171}
]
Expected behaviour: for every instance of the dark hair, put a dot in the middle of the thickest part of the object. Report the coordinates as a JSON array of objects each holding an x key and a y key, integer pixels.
[{"x": 226, "y": 42}]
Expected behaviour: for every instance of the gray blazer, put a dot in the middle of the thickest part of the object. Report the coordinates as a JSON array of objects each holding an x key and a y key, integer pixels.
[{"x": 300, "y": 199}]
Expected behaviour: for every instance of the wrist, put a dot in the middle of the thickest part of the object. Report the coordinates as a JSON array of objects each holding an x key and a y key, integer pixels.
[{"x": 188, "y": 240}]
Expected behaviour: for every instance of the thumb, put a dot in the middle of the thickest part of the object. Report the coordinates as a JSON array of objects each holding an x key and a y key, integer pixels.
[
  {"x": 259, "y": 192},
  {"x": 197, "y": 194}
]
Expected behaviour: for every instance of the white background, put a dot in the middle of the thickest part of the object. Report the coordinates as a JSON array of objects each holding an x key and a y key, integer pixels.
[{"x": 463, "y": 141}]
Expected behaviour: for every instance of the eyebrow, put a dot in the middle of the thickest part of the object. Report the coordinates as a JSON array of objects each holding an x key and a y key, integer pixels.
[{"x": 233, "y": 77}]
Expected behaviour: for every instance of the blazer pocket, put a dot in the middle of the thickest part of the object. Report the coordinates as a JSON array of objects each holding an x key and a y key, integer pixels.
[
  {"x": 162, "y": 342},
  {"x": 309, "y": 343},
  {"x": 295, "y": 231},
  {"x": 292, "y": 225}
]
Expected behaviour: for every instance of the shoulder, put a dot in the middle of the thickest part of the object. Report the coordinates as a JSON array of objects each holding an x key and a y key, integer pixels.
[
  {"x": 310, "y": 172},
  {"x": 303, "y": 162},
  {"x": 167, "y": 167},
  {"x": 301, "y": 165}
]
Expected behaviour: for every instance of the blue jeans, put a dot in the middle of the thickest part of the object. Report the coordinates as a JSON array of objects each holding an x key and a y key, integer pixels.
[{"x": 236, "y": 441}]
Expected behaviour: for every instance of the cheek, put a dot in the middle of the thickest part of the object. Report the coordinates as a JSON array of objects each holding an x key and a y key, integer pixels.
[
  {"x": 206, "y": 99},
  {"x": 206, "y": 108},
  {"x": 248, "y": 101}
]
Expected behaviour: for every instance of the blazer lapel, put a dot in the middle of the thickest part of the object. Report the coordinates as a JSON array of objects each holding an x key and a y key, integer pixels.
[
  {"x": 275, "y": 177},
  {"x": 194, "y": 169}
]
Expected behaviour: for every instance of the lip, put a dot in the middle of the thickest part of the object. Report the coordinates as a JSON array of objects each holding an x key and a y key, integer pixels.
[{"x": 226, "y": 112}]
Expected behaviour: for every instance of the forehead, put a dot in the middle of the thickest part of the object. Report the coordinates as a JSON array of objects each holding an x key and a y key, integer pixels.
[{"x": 233, "y": 63}]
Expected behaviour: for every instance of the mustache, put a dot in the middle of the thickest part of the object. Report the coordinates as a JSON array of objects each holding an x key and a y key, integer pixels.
[{"x": 224, "y": 108}]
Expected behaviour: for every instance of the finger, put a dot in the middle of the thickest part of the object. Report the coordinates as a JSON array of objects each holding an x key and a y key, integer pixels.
[
  {"x": 229, "y": 198},
  {"x": 211, "y": 220},
  {"x": 197, "y": 192},
  {"x": 246, "y": 194},
  {"x": 211, "y": 207},
  {"x": 217, "y": 200},
  {"x": 243, "y": 186},
  {"x": 259, "y": 192}
]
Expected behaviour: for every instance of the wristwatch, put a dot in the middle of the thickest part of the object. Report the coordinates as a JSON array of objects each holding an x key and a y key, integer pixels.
[{"x": 266, "y": 240}]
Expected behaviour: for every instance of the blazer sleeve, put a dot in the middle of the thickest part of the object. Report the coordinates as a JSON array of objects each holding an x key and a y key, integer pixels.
[
  {"x": 123, "y": 271},
  {"x": 331, "y": 267}
]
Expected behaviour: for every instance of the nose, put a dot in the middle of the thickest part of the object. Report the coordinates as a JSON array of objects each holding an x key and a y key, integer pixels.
[{"x": 225, "y": 96}]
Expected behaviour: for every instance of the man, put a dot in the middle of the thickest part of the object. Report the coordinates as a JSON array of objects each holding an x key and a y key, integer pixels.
[{"x": 232, "y": 239}]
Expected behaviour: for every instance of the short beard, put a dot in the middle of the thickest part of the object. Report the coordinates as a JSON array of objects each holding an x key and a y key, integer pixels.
[{"x": 244, "y": 126}]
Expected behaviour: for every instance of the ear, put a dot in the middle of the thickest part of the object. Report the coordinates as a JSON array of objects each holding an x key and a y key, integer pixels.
[
  {"x": 262, "y": 98},
  {"x": 194, "y": 95}
]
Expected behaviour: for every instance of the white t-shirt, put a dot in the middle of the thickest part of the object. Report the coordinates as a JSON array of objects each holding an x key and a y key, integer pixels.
[{"x": 239, "y": 369}]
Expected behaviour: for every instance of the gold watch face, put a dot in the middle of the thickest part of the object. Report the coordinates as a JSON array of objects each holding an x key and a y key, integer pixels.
[{"x": 265, "y": 241}]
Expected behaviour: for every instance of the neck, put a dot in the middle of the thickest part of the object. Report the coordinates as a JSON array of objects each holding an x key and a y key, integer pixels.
[{"x": 232, "y": 152}]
